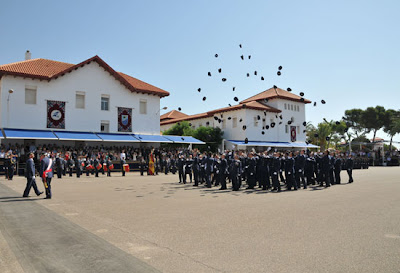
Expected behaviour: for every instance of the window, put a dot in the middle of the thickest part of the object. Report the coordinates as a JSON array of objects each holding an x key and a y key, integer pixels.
[
  {"x": 285, "y": 106},
  {"x": 105, "y": 102},
  {"x": 80, "y": 100},
  {"x": 105, "y": 126},
  {"x": 255, "y": 122},
  {"x": 298, "y": 108},
  {"x": 291, "y": 107},
  {"x": 234, "y": 122},
  {"x": 287, "y": 129},
  {"x": 223, "y": 124},
  {"x": 30, "y": 95},
  {"x": 143, "y": 107},
  {"x": 200, "y": 124}
]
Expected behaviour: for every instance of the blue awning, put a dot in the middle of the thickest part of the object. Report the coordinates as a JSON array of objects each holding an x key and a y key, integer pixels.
[
  {"x": 184, "y": 139},
  {"x": 303, "y": 145},
  {"x": 117, "y": 137},
  {"x": 82, "y": 136},
  {"x": 274, "y": 144},
  {"x": 151, "y": 138},
  {"x": 262, "y": 143},
  {"x": 28, "y": 134},
  {"x": 1, "y": 134}
]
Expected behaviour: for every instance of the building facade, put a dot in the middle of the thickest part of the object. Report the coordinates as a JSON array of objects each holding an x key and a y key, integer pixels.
[
  {"x": 46, "y": 100},
  {"x": 273, "y": 118}
]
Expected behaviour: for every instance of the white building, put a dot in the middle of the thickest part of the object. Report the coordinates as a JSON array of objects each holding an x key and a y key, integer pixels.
[
  {"x": 46, "y": 100},
  {"x": 272, "y": 118}
]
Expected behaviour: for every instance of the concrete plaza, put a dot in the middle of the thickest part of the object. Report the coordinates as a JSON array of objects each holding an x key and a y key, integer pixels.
[{"x": 153, "y": 223}]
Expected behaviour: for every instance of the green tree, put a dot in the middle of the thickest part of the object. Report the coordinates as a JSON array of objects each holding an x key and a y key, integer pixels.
[
  {"x": 212, "y": 136},
  {"x": 392, "y": 125},
  {"x": 353, "y": 120},
  {"x": 180, "y": 129},
  {"x": 373, "y": 119}
]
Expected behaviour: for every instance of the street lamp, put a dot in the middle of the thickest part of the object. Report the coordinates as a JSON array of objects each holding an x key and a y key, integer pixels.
[{"x": 164, "y": 108}]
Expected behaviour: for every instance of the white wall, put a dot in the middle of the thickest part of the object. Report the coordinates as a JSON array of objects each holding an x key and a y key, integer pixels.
[
  {"x": 91, "y": 79},
  {"x": 278, "y": 133}
]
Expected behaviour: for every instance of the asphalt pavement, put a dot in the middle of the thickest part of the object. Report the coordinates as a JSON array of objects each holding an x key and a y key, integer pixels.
[{"x": 119, "y": 224}]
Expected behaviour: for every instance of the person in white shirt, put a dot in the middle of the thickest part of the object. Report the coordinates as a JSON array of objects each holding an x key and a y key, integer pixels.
[{"x": 122, "y": 156}]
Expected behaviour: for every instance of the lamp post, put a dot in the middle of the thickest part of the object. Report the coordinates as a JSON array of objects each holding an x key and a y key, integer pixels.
[
  {"x": 164, "y": 108},
  {"x": 8, "y": 105}
]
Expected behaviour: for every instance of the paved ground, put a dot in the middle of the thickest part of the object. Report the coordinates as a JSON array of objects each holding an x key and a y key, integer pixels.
[{"x": 179, "y": 228}]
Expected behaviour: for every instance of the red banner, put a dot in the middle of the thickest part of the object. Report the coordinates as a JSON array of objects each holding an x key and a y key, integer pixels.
[{"x": 293, "y": 133}]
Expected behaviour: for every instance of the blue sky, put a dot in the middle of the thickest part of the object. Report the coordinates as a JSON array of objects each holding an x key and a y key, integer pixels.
[{"x": 345, "y": 52}]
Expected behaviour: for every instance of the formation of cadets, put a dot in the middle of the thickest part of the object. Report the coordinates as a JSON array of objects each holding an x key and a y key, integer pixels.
[
  {"x": 265, "y": 170},
  {"x": 89, "y": 164}
]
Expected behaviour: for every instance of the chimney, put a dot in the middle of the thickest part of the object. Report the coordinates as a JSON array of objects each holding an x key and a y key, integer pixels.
[{"x": 27, "y": 55}]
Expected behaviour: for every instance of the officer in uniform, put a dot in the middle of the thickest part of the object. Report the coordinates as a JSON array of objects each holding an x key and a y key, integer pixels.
[
  {"x": 275, "y": 168},
  {"x": 70, "y": 166},
  {"x": 46, "y": 172},
  {"x": 30, "y": 176},
  {"x": 300, "y": 162},
  {"x": 289, "y": 172},
  {"x": 338, "y": 168},
  {"x": 251, "y": 171},
  {"x": 223, "y": 172},
  {"x": 181, "y": 171},
  {"x": 331, "y": 170},
  {"x": 78, "y": 167},
  {"x": 325, "y": 169},
  {"x": 309, "y": 169},
  {"x": 188, "y": 167},
  {"x": 208, "y": 169},
  {"x": 196, "y": 169},
  {"x": 59, "y": 166},
  {"x": 349, "y": 167},
  {"x": 235, "y": 173}
]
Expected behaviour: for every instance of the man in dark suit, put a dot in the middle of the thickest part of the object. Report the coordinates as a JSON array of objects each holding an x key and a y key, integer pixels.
[
  {"x": 222, "y": 172},
  {"x": 181, "y": 169},
  {"x": 252, "y": 168},
  {"x": 325, "y": 168},
  {"x": 300, "y": 162},
  {"x": 338, "y": 168},
  {"x": 236, "y": 173},
  {"x": 46, "y": 172},
  {"x": 209, "y": 169},
  {"x": 59, "y": 166},
  {"x": 349, "y": 167},
  {"x": 30, "y": 176},
  {"x": 275, "y": 168}
]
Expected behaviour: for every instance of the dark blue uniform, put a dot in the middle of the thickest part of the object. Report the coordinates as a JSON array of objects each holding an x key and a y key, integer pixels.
[
  {"x": 46, "y": 172},
  {"x": 30, "y": 176},
  {"x": 349, "y": 168}
]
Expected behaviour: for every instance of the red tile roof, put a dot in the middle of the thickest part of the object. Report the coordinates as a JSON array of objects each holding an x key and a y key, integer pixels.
[
  {"x": 48, "y": 70},
  {"x": 277, "y": 93},
  {"x": 172, "y": 115},
  {"x": 251, "y": 105}
]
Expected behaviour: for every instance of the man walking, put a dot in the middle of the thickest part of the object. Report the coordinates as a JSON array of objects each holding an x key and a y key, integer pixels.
[
  {"x": 46, "y": 172},
  {"x": 30, "y": 176}
]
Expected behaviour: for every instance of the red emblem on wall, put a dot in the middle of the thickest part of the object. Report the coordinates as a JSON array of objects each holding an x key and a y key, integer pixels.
[
  {"x": 56, "y": 114},
  {"x": 293, "y": 133}
]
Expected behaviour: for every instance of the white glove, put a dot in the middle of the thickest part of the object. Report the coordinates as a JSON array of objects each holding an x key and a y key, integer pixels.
[
  {"x": 251, "y": 173},
  {"x": 300, "y": 171},
  {"x": 33, "y": 177},
  {"x": 275, "y": 173},
  {"x": 288, "y": 173}
]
